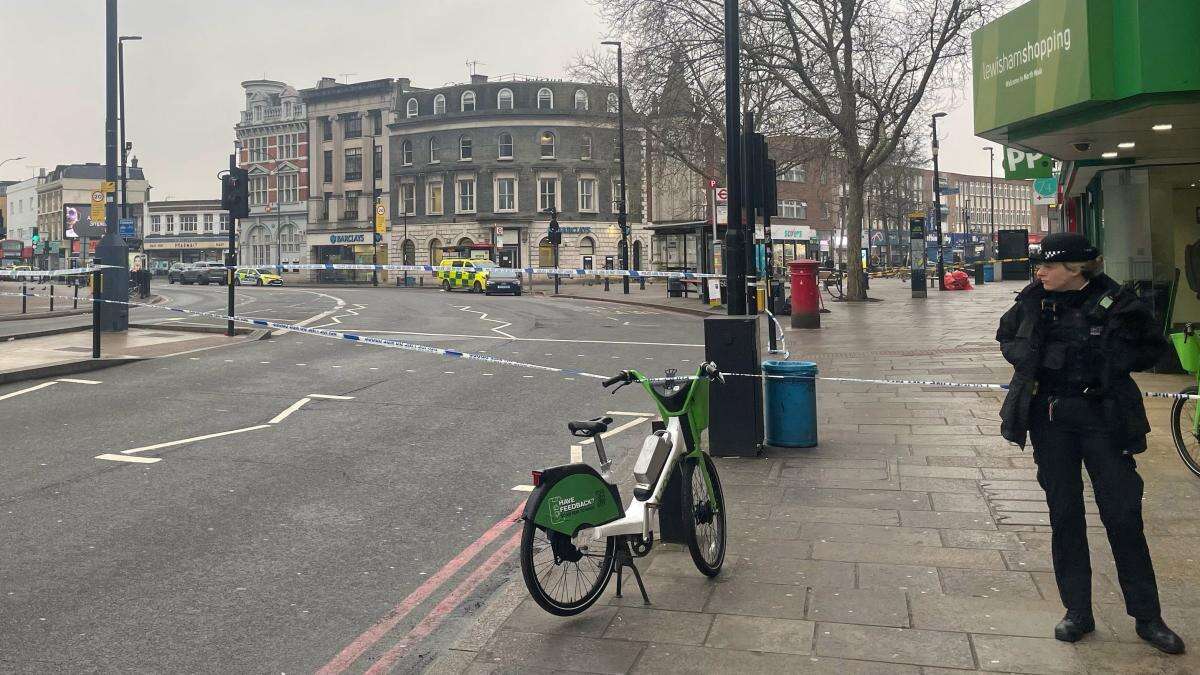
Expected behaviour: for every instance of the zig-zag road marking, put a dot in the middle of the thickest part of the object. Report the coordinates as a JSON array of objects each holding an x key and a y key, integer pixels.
[
  {"x": 484, "y": 317},
  {"x": 337, "y": 319}
]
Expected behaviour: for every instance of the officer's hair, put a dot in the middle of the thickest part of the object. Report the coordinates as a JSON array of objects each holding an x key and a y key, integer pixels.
[{"x": 1089, "y": 269}]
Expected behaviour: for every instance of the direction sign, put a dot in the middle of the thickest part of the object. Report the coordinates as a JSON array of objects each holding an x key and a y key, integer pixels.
[
  {"x": 108, "y": 186},
  {"x": 126, "y": 228}
]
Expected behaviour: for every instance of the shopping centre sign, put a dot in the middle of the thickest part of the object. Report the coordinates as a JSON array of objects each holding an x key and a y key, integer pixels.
[{"x": 1031, "y": 61}]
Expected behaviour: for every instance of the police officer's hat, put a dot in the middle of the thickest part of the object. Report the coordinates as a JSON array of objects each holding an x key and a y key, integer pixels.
[{"x": 1065, "y": 247}]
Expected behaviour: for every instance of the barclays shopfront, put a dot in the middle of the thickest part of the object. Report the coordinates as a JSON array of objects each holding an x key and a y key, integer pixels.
[
  {"x": 1111, "y": 89},
  {"x": 353, "y": 247}
]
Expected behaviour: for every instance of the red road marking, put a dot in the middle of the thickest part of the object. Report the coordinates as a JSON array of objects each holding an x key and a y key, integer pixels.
[
  {"x": 443, "y": 609},
  {"x": 372, "y": 635}
]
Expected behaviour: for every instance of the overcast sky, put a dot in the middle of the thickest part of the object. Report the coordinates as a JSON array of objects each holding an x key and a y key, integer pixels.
[{"x": 183, "y": 92}]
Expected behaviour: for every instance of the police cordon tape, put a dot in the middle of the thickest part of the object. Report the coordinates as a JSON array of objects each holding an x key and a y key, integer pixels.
[
  {"x": 454, "y": 353},
  {"x": 547, "y": 271},
  {"x": 74, "y": 271}
]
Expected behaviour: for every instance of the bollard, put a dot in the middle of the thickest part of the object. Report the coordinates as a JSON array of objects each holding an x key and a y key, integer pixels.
[
  {"x": 642, "y": 281},
  {"x": 96, "y": 290},
  {"x": 979, "y": 275},
  {"x": 24, "y": 297},
  {"x": 790, "y": 403},
  {"x": 605, "y": 283},
  {"x": 51, "y": 297},
  {"x": 806, "y": 297},
  {"x": 75, "y": 300}
]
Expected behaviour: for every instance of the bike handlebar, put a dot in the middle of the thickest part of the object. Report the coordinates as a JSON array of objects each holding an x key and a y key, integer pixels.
[{"x": 623, "y": 376}]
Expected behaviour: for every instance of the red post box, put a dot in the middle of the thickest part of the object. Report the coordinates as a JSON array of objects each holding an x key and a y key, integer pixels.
[{"x": 806, "y": 297}]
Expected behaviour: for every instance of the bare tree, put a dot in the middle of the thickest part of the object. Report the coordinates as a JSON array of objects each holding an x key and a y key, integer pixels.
[
  {"x": 863, "y": 66},
  {"x": 893, "y": 191}
]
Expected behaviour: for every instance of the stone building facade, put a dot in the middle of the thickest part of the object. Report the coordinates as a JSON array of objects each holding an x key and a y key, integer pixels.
[{"x": 474, "y": 166}]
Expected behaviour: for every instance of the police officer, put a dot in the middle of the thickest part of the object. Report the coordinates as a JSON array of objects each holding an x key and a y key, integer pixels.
[{"x": 1073, "y": 337}]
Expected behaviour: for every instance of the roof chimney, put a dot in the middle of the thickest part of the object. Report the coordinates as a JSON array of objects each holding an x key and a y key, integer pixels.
[
  {"x": 478, "y": 79},
  {"x": 326, "y": 82},
  {"x": 403, "y": 83}
]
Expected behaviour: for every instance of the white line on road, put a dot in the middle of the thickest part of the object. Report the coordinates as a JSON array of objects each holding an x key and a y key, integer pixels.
[
  {"x": 631, "y": 414},
  {"x": 74, "y": 381},
  {"x": 332, "y": 397},
  {"x": 523, "y": 488},
  {"x": 576, "y": 454},
  {"x": 484, "y": 317},
  {"x": 523, "y": 339},
  {"x": 614, "y": 432},
  {"x": 129, "y": 458},
  {"x": 195, "y": 438},
  {"x": 290, "y": 409},
  {"x": 26, "y": 391}
]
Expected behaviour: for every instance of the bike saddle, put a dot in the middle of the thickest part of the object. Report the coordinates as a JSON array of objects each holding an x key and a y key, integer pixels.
[{"x": 589, "y": 428}]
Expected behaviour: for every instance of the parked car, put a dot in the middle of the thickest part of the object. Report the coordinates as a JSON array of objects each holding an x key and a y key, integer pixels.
[
  {"x": 503, "y": 280},
  {"x": 203, "y": 273},
  {"x": 176, "y": 271},
  {"x": 257, "y": 276}
]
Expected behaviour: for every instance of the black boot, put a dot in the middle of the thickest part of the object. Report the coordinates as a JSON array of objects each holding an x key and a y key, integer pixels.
[
  {"x": 1156, "y": 633},
  {"x": 1074, "y": 626}
]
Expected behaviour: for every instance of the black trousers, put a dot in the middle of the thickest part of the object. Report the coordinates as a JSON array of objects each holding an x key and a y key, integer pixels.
[{"x": 1059, "y": 448}]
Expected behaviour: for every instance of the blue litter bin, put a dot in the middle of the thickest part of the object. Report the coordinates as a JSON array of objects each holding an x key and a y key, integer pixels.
[
  {"x": 989, "y": 274},
  {"x": 791, "y": 403}
]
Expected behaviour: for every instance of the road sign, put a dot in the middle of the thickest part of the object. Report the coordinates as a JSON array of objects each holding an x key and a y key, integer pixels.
[
  {"x": 108, "y": 186},
  {"x": 380, "y": 220},
  {"x": 126, "y": 228},
  {"x": 712, "y": 184},
  {"x": 722, "y": 194},
  {"x": 97, "y": 215}
]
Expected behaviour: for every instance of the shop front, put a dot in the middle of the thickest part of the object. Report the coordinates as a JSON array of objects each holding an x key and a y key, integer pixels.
[
  {"x": 1110, "y": 89},
  {"x": 183, "y": 249},
  {"x": 354, "y": 247}
]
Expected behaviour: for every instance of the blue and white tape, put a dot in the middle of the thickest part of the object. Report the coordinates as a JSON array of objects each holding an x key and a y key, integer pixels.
[
  {"x": 31, "y": 274},
  {"x": 469, "y": 356},
  {"x": 545, "y": 271}
]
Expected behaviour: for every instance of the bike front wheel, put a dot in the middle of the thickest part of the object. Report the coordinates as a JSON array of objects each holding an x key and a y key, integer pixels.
[
  {"x": 703, "y": 514},
  {"x": 564, "y": 576},
  {"x": 1183, "y": 429}
]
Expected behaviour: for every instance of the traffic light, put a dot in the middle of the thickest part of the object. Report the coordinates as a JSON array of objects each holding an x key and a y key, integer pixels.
[
  {"x": 554, "y": 233},
  {"x": 36, "y": 237},
  {"x": 235, "y": 193}
]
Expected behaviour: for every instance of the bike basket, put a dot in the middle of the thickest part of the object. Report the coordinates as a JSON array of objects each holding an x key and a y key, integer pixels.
[{"x": 1188, "y": 348}]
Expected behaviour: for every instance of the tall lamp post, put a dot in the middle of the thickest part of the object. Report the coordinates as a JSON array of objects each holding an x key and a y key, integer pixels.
[
  {"x": 992, "y": 201},
  {"x": 11, "y": 159},
  {"x": 622, "y": 213},
  {"x": 937, "y": 205},
  {"x": 125, "y": 145}
]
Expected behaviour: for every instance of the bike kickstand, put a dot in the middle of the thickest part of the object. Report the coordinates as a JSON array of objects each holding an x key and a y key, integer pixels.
[{"x": 625, "y": 559}]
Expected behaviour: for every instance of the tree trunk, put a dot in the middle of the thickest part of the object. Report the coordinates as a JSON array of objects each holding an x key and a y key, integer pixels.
[{"x": 854, "y": 222}]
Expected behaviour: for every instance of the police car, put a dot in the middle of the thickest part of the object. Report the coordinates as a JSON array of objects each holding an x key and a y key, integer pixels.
[
  {"x": 261, "y": 276},
  {"x": 464, "y": 273}
]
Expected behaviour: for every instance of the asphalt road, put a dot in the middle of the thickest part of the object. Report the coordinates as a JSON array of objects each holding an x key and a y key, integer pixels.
[{"x": 275, "y": 547}]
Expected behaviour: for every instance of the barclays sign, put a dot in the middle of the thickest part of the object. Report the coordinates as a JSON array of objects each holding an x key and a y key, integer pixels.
[{"x": 347, "y": 238}]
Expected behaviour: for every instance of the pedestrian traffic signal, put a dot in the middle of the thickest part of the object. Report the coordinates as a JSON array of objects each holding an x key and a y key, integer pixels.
[
  {"x": 235, "y": 193},
  {"x": 36, "y": 237}
]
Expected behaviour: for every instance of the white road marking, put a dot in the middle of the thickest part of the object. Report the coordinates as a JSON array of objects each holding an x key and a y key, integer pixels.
[
  {"x": 332, "y": 397},
  {"x": 484, "y": 317},
  {"x": 524, "y": 339},
  {"x": 340, "y": 304},
  {"x": 576, "y": 454},
  {"x": 129, "y": 458},
  {"x": 205, "y": 437},
  {"x": 631, "y": 414},
  {"x": 290, "y": 409},
  {"x": 26, "y": 391},
  {"x": 75, "y": 381},
  {"x": 523, "y": 488},
  {"x": 614, "y": 432}
]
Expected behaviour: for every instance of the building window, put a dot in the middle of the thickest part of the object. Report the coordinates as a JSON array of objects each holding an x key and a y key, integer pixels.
[
  {"x": 377, "y": 122},
  {"x": 170, "y": 224},
  {"x": 289, "y": 146},
  {"x": 433, "y": 151},
  {"x": 327, "y": 128},
  {"x": 413, "y": 107},
  {"x": 795, "y": 174},
  {"x": 546, "y": 141},
  {"x": 547, "y": 193},
  {"x": 587, "y": 246},
  {"x": 224, "y": 222},
  {"x": 826, "y": 210},
  {"x": 289, "y": 187},
  {"x": 506, "y": 194},
  {"x": 435, "y": 251},
  {"x": 433, "y": 198},
  {"x": 156, "y": 224},
  {"x": 327, "y": 166},
  {"x": 585, "y": 148},
  {"x": 505, "y": 144},
  {"x": 616, "y": 195},
  {"x": 587, "y": 195},
  {"x": 464, "y": 148},
  {"x": 258, "y": 149},
  {"x": 351, "y": 210},
  {"x": 545, "y": 99},
  {"x": 353, "y": 169},
  {"x": 465, "y": 191},
  {"x": 406, "y": 153},
  {"x": 208, "y": 222},
  {"x": 468, "y": 101},
  {"x": 353, "y": 126},
  {"x": 614, "y": 103},
  {"x": 793, "y": 208},
  {"x": 581, "y": 99},
  {"x": 504, "y": 99},
  {"x": 408, "y": 198},
  {"x": 439, "y": 105},
  {"x": 187, "y": 222},
  {"x": 258, "y": 191},
  {"x": 377, "y": 162}
]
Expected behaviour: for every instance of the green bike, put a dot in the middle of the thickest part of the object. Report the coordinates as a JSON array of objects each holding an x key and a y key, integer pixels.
[
  {"x": 576, "y": 532},
  {"x": 1185, "y": 422}
]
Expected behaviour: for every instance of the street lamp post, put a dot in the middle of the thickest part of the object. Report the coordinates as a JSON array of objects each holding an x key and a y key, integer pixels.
[
  {"x": 991, "y": 200},
  {"x": 11, "y": 159},
  {"x": 937, "y": 205},
  {"x": 125, "y": 145},
  {"x": 622, "y": 213},
  {"x": 374, "y": 208}
]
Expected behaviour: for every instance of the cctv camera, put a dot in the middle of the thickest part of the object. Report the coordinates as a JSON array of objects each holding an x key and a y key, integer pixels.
[{"x": 1082, "y": 146}]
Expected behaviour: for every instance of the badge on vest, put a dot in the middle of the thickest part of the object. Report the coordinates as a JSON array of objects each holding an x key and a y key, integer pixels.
[{"x": 1106, "y": 301}]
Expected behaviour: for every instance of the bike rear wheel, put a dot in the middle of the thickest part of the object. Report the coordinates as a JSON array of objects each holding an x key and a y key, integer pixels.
[
  {"x": 1183, "y": 429},
  {"x": 564, "y": 578},
  {"x": 704, "y": 526}
]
